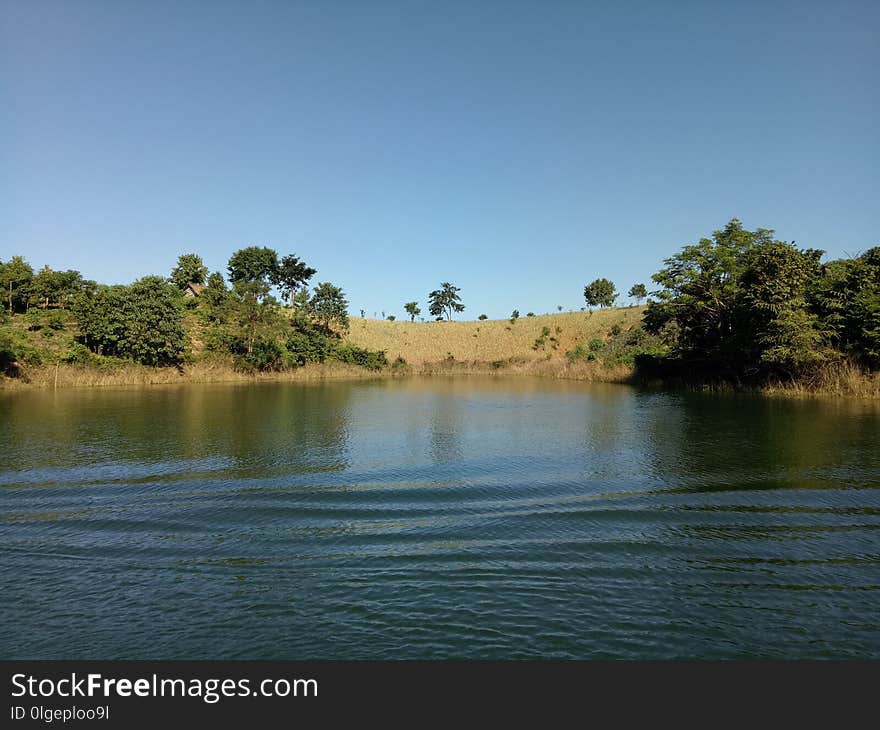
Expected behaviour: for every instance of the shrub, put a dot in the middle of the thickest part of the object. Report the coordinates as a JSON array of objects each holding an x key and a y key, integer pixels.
[
  {"x": 308, "y": 345},
  {"x": 78, "y": 354},
  {"x": 265, "y": 356},
  {"x": 482, "y": 317},
  {"x": 596, "y": 345},
  {"x": 56, "y": 319},
  {"x": 8, "y": 355},
  {"x": 369, "y": 359}
]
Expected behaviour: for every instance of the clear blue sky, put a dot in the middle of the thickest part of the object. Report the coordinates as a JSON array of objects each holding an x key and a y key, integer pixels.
[{"x": 517, "y": 149}]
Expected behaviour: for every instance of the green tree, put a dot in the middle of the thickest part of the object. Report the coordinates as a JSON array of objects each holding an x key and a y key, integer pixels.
[
  {"x": 290, "y": 276},
  {"x": 444, "y": 301},
  {"x": 847, "y": 298},
  {"x": 57, "y": 288},
  {"x": 514, "y": 315},
  {"x": 412, "y": 309},
  {"x": 16, "y": 277},
  {"x": 482, "y": 317},
  {"x": 142, "y": 322},
  {"x": 739, "y": 303},
  {"x": 189, "y": 270},
  {"x": 772, "y": 300},
  {"x": 600, "y": 293},
  {"x": 252, "y": 270},
  {"x": 638, "y": 292},
  {"x": 329, "y": 307}
]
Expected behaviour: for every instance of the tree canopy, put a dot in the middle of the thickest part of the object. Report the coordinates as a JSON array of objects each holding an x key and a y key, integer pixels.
[
  {"x": 600, "y": 293},
  {"x": 143, "y": 321},
  {"x": 290, "y": 276},
  {"x": 412, "y": 309},
  {"x": 329, "y": 307},
  {"x": 743, "y": 303},
  {"x": 189, "y": 270},
  {"x": 638, "y": 292},
  {"x": 445, "y": 301}
]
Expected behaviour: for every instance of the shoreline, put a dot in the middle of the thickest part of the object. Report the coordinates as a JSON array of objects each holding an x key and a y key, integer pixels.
[{"x": 863, "y": 387}]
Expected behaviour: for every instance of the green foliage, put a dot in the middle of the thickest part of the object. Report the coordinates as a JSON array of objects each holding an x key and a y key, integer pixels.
[
  {"x": 412, "y": 309},
  {"x": 359, "y": 356},
  {"x": 541, "y": 341},
  {"x": 847, "y": 299},
  {"x": 743, "y": 303},
  {"x": 596, "y": 345},
  {"x": 530, "y": 314},
  {"x": 482, "y": 317},
  {"x": 142, "y": 322},
  {"x": 57, "y": 320},
  {"x": 638, "y": 292},
  {"x": 290, "y": 276},
  {"x": 253, "y": 265},
  {"x": 391, "y": 318},
  {"x": 578, "y": 353},
  {"x": 600, "y": 293},
  {"x": 189, "y": 270},
  {"x": 261, "y": 355},
  {"x": 307, "y": 344},
  {"x": 79, "y": 354},
  {"x": 16, "y": 278},
  {"x": 8, "y": 355},
  {"x": 57, "y": 288},
  {"x": 514, "y": 316},
  {"x": 329, "y": 308},
  {"x": 444, "y": 301}
]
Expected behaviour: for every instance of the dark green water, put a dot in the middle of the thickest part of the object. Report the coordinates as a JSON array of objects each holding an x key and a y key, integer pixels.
[{"x": 436, "y": 518}]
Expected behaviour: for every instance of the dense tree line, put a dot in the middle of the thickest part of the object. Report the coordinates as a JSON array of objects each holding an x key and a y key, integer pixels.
[
  {"x": 738, "y": 305},
  {"x": 742, "y": 304},
  {"x": 242, "y": 320}
]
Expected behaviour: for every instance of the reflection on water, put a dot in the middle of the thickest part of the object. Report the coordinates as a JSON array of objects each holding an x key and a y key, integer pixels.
[{"x": 437, "y": 518}]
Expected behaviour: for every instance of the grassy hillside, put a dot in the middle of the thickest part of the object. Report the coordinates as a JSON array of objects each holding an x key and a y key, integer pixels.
[{"x": 490, "y": 340}]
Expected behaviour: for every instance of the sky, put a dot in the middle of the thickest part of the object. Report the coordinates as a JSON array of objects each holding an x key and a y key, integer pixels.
[{"x": 516, "y": 149}]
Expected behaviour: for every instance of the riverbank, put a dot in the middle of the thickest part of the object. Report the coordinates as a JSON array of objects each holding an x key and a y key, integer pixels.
[
  {"x": 842, "y": 381},
  {"x": 76, "y": 376},
  {"x": 580, "y": 346}
]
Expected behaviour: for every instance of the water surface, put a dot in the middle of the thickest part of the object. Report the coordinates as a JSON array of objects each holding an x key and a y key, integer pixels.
[{"x": 434, "y": 518}]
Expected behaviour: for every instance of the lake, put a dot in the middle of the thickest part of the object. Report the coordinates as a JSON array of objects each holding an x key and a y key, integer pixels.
[{"x": 437, "y": 518}]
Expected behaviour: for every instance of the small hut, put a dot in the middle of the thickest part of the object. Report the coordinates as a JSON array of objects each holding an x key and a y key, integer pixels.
[{"x": 193, "y": 290}]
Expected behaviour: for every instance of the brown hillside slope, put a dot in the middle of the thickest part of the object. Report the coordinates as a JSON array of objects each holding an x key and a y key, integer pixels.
[{"x": 489, "y": 340}]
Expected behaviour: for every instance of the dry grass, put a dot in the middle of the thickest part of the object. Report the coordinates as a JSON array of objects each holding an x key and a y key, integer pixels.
[
  {"x": 488, "y": 341},
  {"x": 73, "y": 376},
  {"x": 555, "y": 368},
  {"x": 842, "y": 378}
]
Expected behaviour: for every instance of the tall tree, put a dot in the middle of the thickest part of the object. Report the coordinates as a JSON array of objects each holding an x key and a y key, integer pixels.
[
  {"x": 252, "y": 270},
  {"x": 412, "y": 309},
  {"x": 444, "y": 301},
  {"x": 600, "y": 293},
  {"x": 190, "y": 269},
  {"x": 290, "y": 276},
  {"x": 56, "y": 288},
  {"x": 143, "y": 322},
  {"x": 16, "y": 277},
  {"x": 638, "y": 292},
  {"x": 329, "y": 307}
]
